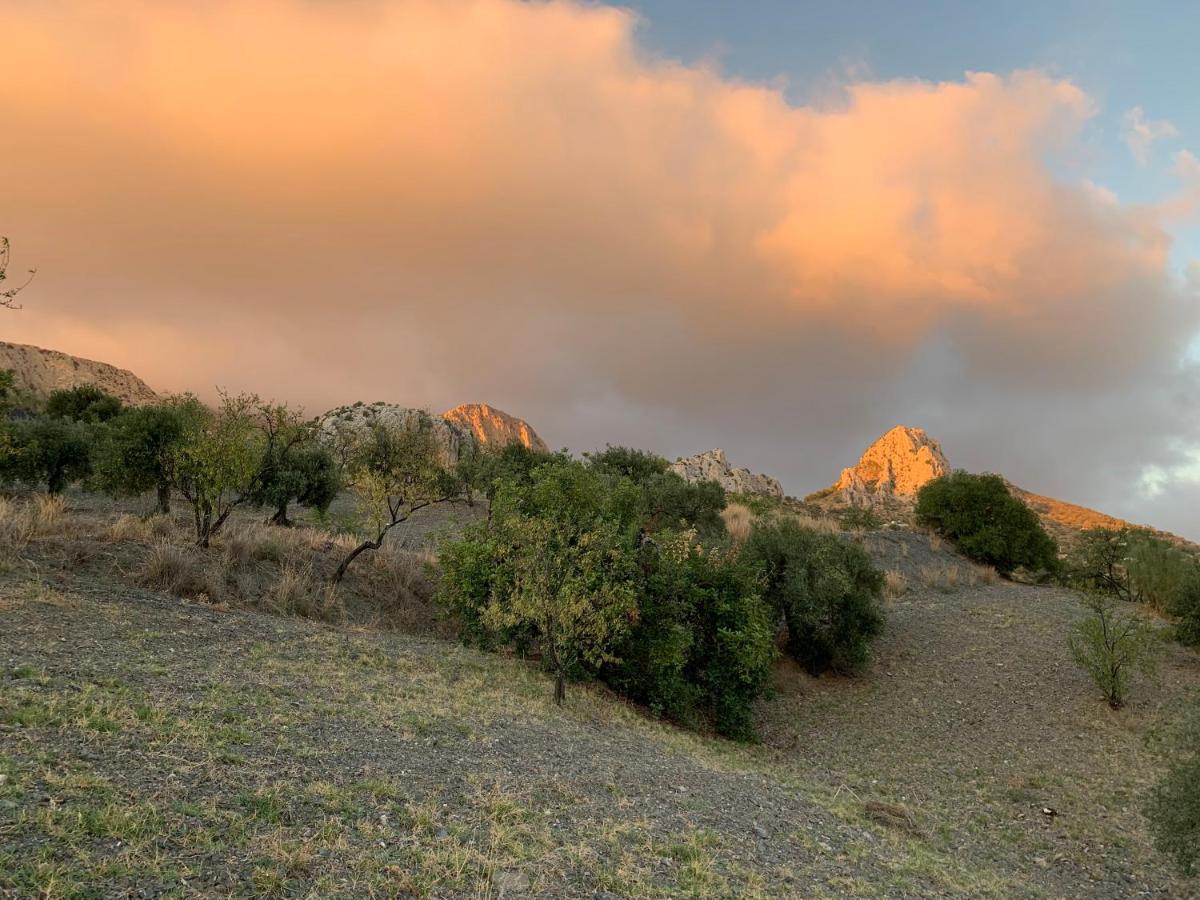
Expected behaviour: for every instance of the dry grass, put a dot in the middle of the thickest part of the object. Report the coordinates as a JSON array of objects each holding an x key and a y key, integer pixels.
[
  {"x": 140, "y": 529},
  {"x": 986, "y": 575},
  {"x": 738, "y": 519},
  {"x": 180, "y": 570},
  {"x": 941, "y": 578},
  {"x": 894, "y": 584},
  {"x": 297, "y": 592},
  {"x": 16, "y": 529}
]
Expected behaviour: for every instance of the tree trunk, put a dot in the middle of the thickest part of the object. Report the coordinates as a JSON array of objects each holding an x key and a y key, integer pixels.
[
  {"x": 353, "y": 555},
  {"x": 560, "y": 688},
  {"x": 281, "y": 517},
  {"x": 164, "y": 499}
]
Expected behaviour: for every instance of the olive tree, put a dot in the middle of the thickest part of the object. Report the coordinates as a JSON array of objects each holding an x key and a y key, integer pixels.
[
  {"x": 395, "y": 470},
  {"x": 139, "y": 449}
]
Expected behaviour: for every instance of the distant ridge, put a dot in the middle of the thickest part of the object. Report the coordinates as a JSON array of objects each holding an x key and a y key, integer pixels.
[
  {"x": 893, "y": 469},
  {"x": 493, "y": 427},
  {"x": 39, "y": 371}
]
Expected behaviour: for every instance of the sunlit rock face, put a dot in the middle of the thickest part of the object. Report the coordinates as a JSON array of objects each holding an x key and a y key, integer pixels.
[
  {"x": 39, "y": 372},
  {"x": 343, "y": 425},
  {"x": 713, "y": 465},
  {"x": 895, "y": 466},
  {"x": 493, "y": 427}
]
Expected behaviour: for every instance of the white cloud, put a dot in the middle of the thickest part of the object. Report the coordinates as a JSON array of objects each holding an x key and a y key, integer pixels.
[{"x": 1140, "y": 133}]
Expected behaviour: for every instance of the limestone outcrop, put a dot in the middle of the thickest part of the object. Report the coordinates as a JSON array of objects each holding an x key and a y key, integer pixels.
[
  {"x": 38, "y": 372},
  {"x": 493, "y": 427},
  {"x": 341, "y": 426},
  {"x": 894, "y": 467},
  {"x": 714, "y": 465}
]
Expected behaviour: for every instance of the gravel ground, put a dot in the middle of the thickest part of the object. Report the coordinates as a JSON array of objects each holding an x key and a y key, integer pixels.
[{"x": 154, "y": 747}]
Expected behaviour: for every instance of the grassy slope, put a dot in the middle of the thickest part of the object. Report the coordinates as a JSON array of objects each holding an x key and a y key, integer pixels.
[{"x": 147, "y": 742}]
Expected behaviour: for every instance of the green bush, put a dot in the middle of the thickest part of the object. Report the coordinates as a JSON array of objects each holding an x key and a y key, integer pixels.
[
  {"x": 860, "y": 517},
  {"x": 1186, "y": 606},
  {"x": 42, "y": 450},
  {"x": 567, "y": 566},
  {"x": 824, "y": 589},
  {"x": 137, "y": 451},
  {"x": 1157, "y": 569},
  {"x": 83, "y": 403},
  {"x": 1173, "y": 809},
  {"x": 986, "y": 523},
  {"x": 703, "y": 641},
  {"x": 303, "y": 473},
  {"x": 625, "y": 462},
  {"x": 1113, "y": 645}
]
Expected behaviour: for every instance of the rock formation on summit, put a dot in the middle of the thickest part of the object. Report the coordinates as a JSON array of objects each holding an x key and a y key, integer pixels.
[
  {"x": 39, "y": 372},
  {"x": 342, "y": 425},
  {"x": 894, "y": 467},
  {"x": 713, "y": 465},
  {"x": 493, "y": 427}
]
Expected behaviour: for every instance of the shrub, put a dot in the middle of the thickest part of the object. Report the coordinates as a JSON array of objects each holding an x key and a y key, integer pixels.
[
  {"x": 1157, "y": 569},
  {"x": 553, "y": 562},
  {"x": 1112, "y": 646},
  {"x": 1173, "y": 809},
  {"x": 139, "y": 449},
  {"x": 296, "y": 473},
  {"x": 855, "y": 518},
  {"x": 83, "y": 403},
  {"x": 825, "y": 590},
  {"x": 42, "y": 450},
  {"x": 986, "y": 523},
  {"x": 670, "y": 501},
  {"x": 1186, "y": 605},
  {"x": 703, "y": 641}
]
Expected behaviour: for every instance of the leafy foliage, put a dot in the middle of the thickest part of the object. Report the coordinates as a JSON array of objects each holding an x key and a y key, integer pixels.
[
  {"x": 1186, "y": 605},
  {"x": 986, "y": 522},
  {"x": 41, "y": 450},
  {"x": 825, "y": 590},
  {"x": 296, "y": 469},
  {"x": 703, "y": 640},
  {"x": 1173, "y": 809},
  {"x": 625, "y": 462},
  {"x": 82, "y": 403},
  {"x": 564, "y": 566},
  {"x": 1113, "y": 645},
  {"x": 395, "y": 471},
  {"x": 138, "y": 450}
]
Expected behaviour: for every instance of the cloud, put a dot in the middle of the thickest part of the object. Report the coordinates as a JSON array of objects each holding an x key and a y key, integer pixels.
[
  {"x": 1140, "y": 133},
  {"x": 434, "y": 203}
]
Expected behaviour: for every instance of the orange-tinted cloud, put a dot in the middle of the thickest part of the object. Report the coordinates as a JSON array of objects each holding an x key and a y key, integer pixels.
[{"x": 437, "y": 202}]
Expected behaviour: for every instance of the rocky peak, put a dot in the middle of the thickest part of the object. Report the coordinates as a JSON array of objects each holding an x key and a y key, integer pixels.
[
  {"x": 714, "y": 465},
  {"x": 39, "y": 372},
  {"x": 895, "y": 466},
  {"x": 493, "y": 427},
  {"x": 342, "y": 426}
]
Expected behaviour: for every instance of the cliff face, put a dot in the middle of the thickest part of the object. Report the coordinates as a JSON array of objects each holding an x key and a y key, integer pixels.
[
  {"x": 41, "y": 371},
  {"x": 894, "y": 467},
  {"x": 713, "y": 465},
  {"x": 492, "y": 427},
  {"x": 344, "y": 425}
]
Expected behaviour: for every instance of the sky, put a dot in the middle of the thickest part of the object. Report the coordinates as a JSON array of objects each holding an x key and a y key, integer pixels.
[{"x": 777, "y": 228}]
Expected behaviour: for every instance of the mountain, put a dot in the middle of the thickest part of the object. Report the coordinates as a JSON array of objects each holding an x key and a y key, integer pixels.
[
  {"x": 341, "y": 426},
  {"x": 39, "y": 372},
  {"x": 493, "y": 427},
  {"x": 893, "y": 469},
  {"x": 713, "y": 465}
]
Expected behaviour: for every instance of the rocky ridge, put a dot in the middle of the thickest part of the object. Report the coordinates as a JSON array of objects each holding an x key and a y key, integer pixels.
[
  {"x": 895, "y": 466},
  {"x": 714, "y": 465},
  {"x": 38, "y": 371},
  {"x": 493, "y": 427}
]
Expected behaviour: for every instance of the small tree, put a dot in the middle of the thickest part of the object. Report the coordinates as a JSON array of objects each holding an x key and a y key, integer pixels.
[
  {"x": 82, "y": 403},
  {"x": 825, "y": 590},
  {"x": 555, "y": 565},
  {"x": 139, "y": 449},
  {"x": 1100, "y": 563},
  {"x": 979, "y": 515},
  {"x": 395, "y": 471},
  {"x": 218, "y": 462},
  {"x": 8, "y": 295},
  {"x": 637, "y": 465},
  {"x": 1112, "y": 645},
  {"x": 306, "y": 474},
  {"x": 46, "y": 451}
]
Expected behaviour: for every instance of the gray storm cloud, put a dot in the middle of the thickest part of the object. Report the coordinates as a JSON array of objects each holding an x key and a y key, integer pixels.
[{"x": 434, "y": 203}]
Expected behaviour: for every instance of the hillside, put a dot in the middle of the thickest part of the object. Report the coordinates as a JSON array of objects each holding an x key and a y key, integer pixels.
[
  {"x": 38, "y": 371},
  {"x": 893, "y": 469},
  {"x": 151, "y": 745}
]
